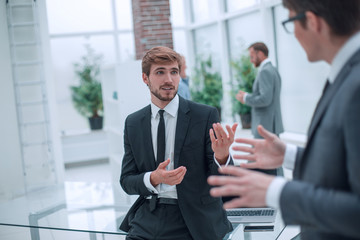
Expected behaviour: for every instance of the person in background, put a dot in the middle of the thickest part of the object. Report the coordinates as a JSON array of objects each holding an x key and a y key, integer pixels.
[
  {"x": 324, "y": 195},
  {"x": 170, "y": 151},
  {"x": 184, "y": 89},
  {"x": 265, "y": 97}
]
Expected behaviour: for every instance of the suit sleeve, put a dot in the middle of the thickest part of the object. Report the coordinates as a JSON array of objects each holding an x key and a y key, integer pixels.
[
  {"x": 325, "y": 208},
  {"x": 131, "y": 179},
  {"x": 264, "y": 97}
]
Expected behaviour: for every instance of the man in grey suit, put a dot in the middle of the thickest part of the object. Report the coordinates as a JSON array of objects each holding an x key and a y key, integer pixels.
[
  {"x": 324, "y": 197},
  {"x": 170, "y": 150},
  {"x": 265, "y": 97}
]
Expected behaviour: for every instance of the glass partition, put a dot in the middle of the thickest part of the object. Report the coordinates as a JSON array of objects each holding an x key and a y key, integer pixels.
[
  {"x": 244, "y": 31},
  {"x": 203, "y": 10},
  {"x": 235, "y": 5}
]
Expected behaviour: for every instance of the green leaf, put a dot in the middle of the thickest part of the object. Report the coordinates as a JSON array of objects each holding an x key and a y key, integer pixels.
[
  {"x": 87, "y": 96},
  {"x": 244, "y": 75},
  {"x": 206, "y": 85}
]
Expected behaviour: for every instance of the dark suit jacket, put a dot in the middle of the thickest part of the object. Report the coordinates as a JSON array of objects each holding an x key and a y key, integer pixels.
[
  {"x": 203, "y": 214},
  {"x": 326, "y": 202}
]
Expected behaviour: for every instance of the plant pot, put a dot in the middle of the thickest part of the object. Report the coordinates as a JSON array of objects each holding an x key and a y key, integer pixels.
[
  {"x": 96, "y": 122},
  {"x": 245, "y": 120}
]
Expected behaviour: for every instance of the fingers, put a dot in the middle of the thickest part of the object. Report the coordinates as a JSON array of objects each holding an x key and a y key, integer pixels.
[
  {"x": 231, "y": 131},
  {"x": 250, "y": 165},
  {"x": 221, "y": 180},
  {"x": 227, "y": 190},
  {"x": 246, "y": 141},
  {"x": 243, "y": 149},
  {"x": 163, "y": 164},
  {"x": 219, "y": 131},
  {"x": 232, "y": 170},
  {"x": 244, "y": 157},
  {"x": 234, "y": 126},
  {"x": 265, "y": 134},
  {"x": 212, "y": 136},
  {"x": 175, "y": 176}
]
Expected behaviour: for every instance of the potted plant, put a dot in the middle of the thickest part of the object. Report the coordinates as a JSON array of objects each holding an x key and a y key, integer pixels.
[
  {"x": 87, "y": 96},
  {"x": 206, "y": 85},
  {"x": 244, "y": 75}
]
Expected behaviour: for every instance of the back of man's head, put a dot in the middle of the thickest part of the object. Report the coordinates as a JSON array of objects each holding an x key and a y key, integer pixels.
[
  {"x": 160, "y": 55},
  {"x": 260, "y": 46},
  {"x": 343, "y": 16}
]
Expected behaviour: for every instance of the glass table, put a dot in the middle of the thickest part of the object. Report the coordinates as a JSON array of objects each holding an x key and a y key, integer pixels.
[{"x": 83, "y": 210}]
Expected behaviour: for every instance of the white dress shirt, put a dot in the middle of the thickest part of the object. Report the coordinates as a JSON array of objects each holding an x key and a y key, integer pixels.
[
  {"x": 170, "y": 119},
  {"x": 344, "y": 54}
]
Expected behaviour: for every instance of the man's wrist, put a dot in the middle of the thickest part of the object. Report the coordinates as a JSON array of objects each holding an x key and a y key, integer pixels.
[
  {"x": 274, "y": 191},
  {"x": 221, "y": 160},
  {"x": 154, "y": 180}
]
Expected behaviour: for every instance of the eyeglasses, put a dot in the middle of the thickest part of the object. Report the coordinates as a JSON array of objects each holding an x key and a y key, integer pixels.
[{"x": 289, "y": 24}]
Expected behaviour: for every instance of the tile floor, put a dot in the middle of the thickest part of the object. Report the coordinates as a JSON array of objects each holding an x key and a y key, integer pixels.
[{"x": 97, "y": 172}]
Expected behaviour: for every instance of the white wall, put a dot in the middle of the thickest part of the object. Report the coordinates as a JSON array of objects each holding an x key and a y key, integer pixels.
[{"x": 11, "y": 172}]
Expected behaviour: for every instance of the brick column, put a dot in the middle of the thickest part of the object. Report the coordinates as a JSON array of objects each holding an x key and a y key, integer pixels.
[{"x": 152, "y": 27}]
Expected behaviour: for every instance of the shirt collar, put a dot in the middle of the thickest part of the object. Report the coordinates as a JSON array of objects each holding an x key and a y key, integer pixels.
[
  {"x": 171, "y": 108},
  {"x": 343, "y": 55},
  {"x": 263, "y": 63}
]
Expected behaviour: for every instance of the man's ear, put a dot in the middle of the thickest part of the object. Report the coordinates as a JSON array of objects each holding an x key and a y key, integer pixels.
[
  {"x": 145, "y": 78},
  {"x": 313, "y": 21}
]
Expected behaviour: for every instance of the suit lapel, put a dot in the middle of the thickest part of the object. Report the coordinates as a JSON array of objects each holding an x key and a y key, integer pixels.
[
  {"x": 329, "y": 94},
  {"x": 182, "y": 125},
  {"x": 326, "y": 99},
  {"x": 147, "y": 139},
  {"x": 322, "y": 105}
]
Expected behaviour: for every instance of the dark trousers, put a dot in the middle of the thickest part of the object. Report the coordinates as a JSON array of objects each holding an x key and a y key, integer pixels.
[{"x": 164, "y": 223}]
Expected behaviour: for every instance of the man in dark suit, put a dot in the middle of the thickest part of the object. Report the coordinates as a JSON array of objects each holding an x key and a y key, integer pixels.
[
  {"x": 171, "y": 147},
  {"x": 324, "y": 197}
]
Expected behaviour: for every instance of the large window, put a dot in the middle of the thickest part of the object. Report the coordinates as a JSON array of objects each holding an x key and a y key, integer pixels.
[
  {"x": 106, "y": 26},
  {"x": 234, "y": 5},
  {"x": 222, "y": 29},
  {"x": 204, "y": 10},
  {"x": 240, "y": 23},
  {"x": 207, "y": 45},
  {"x": 243, "y": 32},
  {"x": 302, "y": 81}
]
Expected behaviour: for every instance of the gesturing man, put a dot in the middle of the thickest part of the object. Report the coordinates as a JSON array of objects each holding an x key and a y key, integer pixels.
[{"x": 170, "y": 151}]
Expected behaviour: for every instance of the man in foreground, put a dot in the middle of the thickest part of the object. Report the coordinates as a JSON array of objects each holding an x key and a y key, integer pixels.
[{"x": 324, "y": 197}]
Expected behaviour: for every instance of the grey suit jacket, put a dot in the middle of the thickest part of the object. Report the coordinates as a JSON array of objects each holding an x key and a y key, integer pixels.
[
  {"x": 265, "y": 101},
  {"x": 203, "y": 214},
  {"x": 326, "y": 202}
]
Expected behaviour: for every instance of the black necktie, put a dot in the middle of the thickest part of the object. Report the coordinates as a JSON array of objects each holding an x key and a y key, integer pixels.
[
  {"x": 161, "y": 139},
  {"x": 326, "y": 86}
]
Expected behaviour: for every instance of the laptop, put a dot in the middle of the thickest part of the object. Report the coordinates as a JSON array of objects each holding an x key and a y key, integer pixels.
[{"x": 251, "y": 215}]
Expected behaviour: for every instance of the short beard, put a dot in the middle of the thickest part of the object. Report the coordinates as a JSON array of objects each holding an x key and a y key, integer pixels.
[
  {"x": 158, "y": 95},
  {"x": 257, "y": 62}
]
